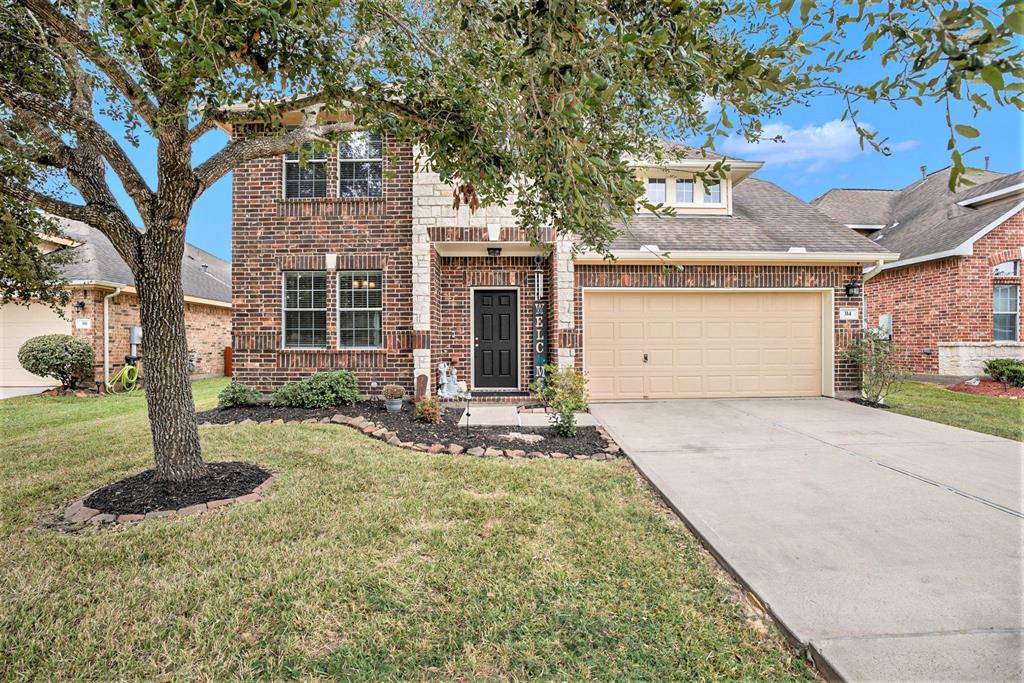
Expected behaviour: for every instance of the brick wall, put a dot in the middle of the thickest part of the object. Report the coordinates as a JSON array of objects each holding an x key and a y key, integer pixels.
[
  {"x": 847, "y": 378},
  {"x": 271, "y": 234},
  {"x": 208, "y": 330},
  {"x": 947, "y": 300}
]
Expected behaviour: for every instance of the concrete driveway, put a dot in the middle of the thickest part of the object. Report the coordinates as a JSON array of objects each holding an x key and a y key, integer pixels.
[{"x": 890, "y": 546}]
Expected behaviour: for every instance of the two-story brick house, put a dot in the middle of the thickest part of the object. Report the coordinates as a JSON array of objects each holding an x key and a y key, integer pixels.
[
  {"x": 952, "y": 299},
  {"x": 357, "y": 260}
]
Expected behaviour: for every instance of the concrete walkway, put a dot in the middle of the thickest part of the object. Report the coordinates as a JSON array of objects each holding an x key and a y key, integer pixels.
[{"x": 891, "y": 547}]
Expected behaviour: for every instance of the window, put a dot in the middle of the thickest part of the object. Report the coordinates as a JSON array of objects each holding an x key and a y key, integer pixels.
[
  {"x": 656, "y": 190},
  {"x": 305, "y": 310},
  {"x": 885, "y": 325},
  {"x": 304, "y": 181},
  {"x": 712, "y": 191},
  {"x": 361, "y": 165},
  {"x": 360, "y": 309},
  {"x": 1006, "y": 269},
  {"x": 1005, "y": 312},
  {"x": 684, "y": 191}
]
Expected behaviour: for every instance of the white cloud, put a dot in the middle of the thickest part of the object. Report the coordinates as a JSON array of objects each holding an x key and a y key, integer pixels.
[{"x": 813, "y": 147}]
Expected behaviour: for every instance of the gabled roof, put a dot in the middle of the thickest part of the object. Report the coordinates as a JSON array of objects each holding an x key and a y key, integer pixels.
[
  {"x": 765, "y": 218},
  {"x": 924, "y": 221},
  {"x": 96, "y": 261}
]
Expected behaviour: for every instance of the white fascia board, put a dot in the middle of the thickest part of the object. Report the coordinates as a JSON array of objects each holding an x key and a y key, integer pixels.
[
  {"x": 130, "y": 289},
  {"x": 996, "y": 194},
  {"x": 644, "y": 256},
  {"x": 964, "y": 249}
]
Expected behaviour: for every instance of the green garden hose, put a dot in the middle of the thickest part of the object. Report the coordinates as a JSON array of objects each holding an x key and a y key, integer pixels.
[{"x": 128, "y": 376}]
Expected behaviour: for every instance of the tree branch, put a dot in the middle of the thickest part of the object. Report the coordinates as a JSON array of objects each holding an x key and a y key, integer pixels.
[
  {"x": 52, "y": 17},
  {"x": 85, "y": 213}
]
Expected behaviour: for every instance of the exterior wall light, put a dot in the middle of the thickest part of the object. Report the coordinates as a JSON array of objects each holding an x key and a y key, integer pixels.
[{"x": 854, "y": 288}]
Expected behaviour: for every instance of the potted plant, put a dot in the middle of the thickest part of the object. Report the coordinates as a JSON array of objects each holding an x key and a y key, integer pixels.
[{"x": 393, "y": 396}]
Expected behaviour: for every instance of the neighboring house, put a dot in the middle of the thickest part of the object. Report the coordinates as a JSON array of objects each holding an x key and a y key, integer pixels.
[
  {"x": 952, "y": 300},
  {"x": 104, "y": 306},
  {"x": 357, "y": 261}
]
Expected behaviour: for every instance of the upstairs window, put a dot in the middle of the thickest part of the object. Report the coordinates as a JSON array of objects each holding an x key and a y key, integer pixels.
[
  {"x": 305, "y": 180},
  {"x": 712, "y": 192},
  {"x": 361, "y": 165},
  {"x": 1006, "y": 269},
  {"x": 360, "y": 309},
  {"x": 1005, "y": 312},
  {"x": 305, "y": 310},
  {"x": 684, "y": 191},
  {"x": 656, "y": 190}
]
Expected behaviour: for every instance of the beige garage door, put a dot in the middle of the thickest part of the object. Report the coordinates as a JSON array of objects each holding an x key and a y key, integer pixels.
[
  {"x": 18, "y": 323},
  {"x": 702, "y": 344}
]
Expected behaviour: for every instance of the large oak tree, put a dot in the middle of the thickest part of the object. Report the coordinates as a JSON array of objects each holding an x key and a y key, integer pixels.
[{"x": 539, "y": 102}]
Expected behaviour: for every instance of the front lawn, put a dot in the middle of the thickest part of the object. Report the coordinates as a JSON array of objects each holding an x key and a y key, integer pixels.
[
  {"x": 998, "y": 416},
  {"x": 363, "y": 562}
]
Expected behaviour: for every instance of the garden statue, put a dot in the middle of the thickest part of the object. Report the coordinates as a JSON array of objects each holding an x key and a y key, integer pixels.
[{"x": 449, "y": 386}]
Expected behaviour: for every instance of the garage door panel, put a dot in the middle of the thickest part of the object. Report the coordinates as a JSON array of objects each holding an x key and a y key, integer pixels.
[
  {"x": 17, "y": 325},
  {"x": 704, "y": 344}
]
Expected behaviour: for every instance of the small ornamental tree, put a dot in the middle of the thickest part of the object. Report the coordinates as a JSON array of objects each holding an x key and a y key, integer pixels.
[
  {"x": 65, "y": 358},
  {"x": 541, "y": 104},
  {"x": 564, "y": 391},
  {"x": 879, "y": 364}
]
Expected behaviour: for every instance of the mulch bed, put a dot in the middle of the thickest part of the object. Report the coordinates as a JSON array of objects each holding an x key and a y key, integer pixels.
[
  {"x": 141, "y": 494},
  {"x": 989, "y": 387},
  {"x": 588, "y": 440},
  {"x": 864, "y": 402}
]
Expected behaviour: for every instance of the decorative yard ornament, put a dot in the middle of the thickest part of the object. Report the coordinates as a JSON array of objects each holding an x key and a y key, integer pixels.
[{"x": 449, "y": 386}]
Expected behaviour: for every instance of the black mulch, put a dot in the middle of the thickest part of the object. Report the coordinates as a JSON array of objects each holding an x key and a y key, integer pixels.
[
  {"x": 586, "y": 442},
  {"x": 869, "y": 404},
  {"x": 141, "y": 494}
]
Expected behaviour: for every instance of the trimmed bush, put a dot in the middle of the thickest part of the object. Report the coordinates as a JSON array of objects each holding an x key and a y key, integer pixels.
[
  {"x": 392, "y": 392},
  {"x": 564, "y": 391},
  {"x": 319, "y": 390},
  {"x": 428, "y": 410},
  {"x": 235, "y": 395},
  {"x": 1006, "y": 370},
  {"x": 61, "y": 356}
]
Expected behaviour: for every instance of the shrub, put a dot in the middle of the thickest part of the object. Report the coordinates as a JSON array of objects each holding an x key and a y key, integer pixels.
[
  {"x": 428, "y": 410},
  {"x": 392, "y": 392},
  {"x": 880, "y": 368},
  {"x": 235, "y": 395},
  {"x": 564, "y": 392},
  {"x": 61, "y": 356},
  {"x": 1006, "y": 370},
  {"x": 319, "y": 390}
]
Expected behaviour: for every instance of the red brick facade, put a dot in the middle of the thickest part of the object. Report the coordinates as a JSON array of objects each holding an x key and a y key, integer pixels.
[
  {"x": 947, "y": 300},
  {"x": 208, "y": 329}
]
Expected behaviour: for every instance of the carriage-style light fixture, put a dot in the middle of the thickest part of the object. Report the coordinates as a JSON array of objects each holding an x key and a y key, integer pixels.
[{"x": 854, "y": 288}]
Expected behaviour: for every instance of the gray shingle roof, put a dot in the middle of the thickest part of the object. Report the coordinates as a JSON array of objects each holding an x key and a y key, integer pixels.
[
  {"x": 1006, "y": 181},
  {"x": 765, "y": 218},
  {"x": 922, "y": 218},
  {"x": 97, "y": 260}
]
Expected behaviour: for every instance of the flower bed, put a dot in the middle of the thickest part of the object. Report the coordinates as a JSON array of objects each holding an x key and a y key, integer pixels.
[
  {"x": 401, "y": 430},
  {"x": 989, "y": 387}
]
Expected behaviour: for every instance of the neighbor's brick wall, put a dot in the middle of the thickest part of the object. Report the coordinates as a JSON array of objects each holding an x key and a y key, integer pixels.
[
  {"x": 948, "y": 300},
  {"x": 207, "y": 329},
  {"x": 847, "y": 377},
  {"x": 271, "y": 234},
  {"x": 450, "y": 337}
]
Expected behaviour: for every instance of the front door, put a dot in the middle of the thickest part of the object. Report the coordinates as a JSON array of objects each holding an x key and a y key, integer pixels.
[{"x": 495, "y": 339}]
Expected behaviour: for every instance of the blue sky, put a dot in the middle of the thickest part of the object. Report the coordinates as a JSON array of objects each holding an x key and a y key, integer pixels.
[{"x": 820, "y": 152}]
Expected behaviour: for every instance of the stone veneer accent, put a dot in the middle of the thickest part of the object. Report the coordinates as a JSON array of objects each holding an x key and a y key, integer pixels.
[
  {"x": 947, "y": 301},
  {"x": 968, "y": 358}
]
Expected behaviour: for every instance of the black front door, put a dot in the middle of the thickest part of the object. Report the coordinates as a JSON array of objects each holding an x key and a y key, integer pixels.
[{"x": 495, "y": 339}]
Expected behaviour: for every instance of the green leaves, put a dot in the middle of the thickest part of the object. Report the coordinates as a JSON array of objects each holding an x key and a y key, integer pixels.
[{"x": 967, "y": 131}]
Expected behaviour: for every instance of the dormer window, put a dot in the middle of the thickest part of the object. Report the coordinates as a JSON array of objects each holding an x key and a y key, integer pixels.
[
  {"x": 656, "y": 190},
  {"x": 712, "y": 191},
  {"x": 684, "y": 191}
]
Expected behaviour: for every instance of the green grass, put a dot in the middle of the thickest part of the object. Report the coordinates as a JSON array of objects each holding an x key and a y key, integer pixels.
[
  {"x": 363, "y": 562},
  {"x": 988, "y": 414}
]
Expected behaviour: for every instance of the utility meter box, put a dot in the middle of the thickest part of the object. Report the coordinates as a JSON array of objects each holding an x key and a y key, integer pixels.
[{"x": 134, "y": 335}]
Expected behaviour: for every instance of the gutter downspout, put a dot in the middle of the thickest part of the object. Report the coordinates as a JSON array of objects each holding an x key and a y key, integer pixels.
[
  {"x": 868, "y": 274},
  {"x": 106, "y": 334}
]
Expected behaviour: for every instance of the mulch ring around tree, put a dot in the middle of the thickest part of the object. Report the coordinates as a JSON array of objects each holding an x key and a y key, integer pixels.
[
  {"x": 402, "y": 430},
  {"x": 989, "y": 387},
  {"x": 142, "y": 497}
]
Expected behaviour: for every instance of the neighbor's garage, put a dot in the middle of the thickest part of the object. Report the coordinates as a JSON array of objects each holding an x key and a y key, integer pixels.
[
  {"x": 17, "y": 324},
  {"x": 687, "y": 344}
]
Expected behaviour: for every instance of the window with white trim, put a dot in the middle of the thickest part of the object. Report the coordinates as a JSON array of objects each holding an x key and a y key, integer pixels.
[
  {"x": 656, "y": 190},
  {"x": 305, "y": 180},
  {"x": 684, "y": 190},
  {"x": 361, "y": 165},
  {"x": 712, "y": 191},
  {"x": 360, "y": 309},
  {"x": 305, "y": 309},
  {"x": 1006, "y": 269},
  {"x": 1005, "y": 312},
  {"x": 885, "y": 325}
]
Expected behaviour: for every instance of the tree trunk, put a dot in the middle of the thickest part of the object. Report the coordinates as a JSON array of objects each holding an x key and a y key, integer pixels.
[{"x": 172, "y": 412}]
